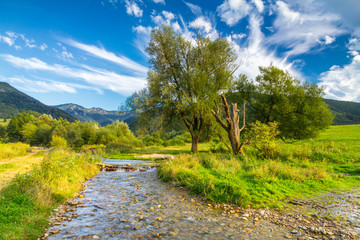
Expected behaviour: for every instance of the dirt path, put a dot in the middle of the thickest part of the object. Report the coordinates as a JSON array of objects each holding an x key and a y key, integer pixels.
[{"x": 137, "y": 205}]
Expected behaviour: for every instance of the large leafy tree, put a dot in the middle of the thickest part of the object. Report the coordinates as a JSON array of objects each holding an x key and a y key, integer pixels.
[
  {"x": 277, "y": 96},
  {"x": 185, "y": 78}
]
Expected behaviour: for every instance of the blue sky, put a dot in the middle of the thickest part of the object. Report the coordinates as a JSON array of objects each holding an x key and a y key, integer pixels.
[{"x": 91, "y": 52}]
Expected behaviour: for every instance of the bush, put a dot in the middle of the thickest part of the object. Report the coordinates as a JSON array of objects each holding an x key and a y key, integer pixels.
[
  {"x": 217, "y": 146},
  {"x": 263, "y": 137},
  {"x": 59, "y": 142}
]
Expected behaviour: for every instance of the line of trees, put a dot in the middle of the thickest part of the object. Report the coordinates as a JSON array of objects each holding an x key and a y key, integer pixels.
[
  {"x": 188, "y": 78},
  {"x": 40, "y": 130}
]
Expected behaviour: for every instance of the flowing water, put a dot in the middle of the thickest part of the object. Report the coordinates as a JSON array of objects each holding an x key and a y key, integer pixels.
[{"x": 137, "y": 205}]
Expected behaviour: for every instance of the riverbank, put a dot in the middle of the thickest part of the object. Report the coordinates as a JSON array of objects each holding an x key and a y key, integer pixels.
[
  {"x": 28, "y": 201},
  {"x": 137, "y": 205}
]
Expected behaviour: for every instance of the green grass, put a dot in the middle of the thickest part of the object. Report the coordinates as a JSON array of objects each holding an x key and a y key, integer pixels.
[
  {"x": 9, "y": 150},
  {"x": 27, "y": 202},
  {"x": 301, "y": 169}
]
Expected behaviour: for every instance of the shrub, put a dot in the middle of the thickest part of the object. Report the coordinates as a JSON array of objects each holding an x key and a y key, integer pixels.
[
  {"x": 58, "y": 142},
  {"x": 263, "y": 137}
]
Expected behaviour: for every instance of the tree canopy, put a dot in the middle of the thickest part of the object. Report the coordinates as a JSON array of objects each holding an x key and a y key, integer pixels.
[
  {"x": 185, "y": 79},
  {"x": 276, "y": 96}
]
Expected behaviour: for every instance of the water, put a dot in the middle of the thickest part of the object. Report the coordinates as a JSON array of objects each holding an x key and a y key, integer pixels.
[{"x": 137, "y": 205}]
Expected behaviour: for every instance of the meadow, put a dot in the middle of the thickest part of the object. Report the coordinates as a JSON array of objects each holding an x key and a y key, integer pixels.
[
  {"x": 300, "y": 170},
  {"x": 34, "y": 183},
  {"x": 27, "y": 202}
]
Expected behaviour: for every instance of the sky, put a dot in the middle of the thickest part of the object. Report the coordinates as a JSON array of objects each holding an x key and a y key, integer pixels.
[{"x": 92, "y": 52}]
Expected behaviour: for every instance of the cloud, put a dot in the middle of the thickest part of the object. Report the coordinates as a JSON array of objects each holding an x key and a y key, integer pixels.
[
  {"x": 109, "y": 56},
  {"x": 7, "y": 40},
  {"x": 259, "y": 5},
  {"x": 342, "y": 83},
  {"x": 159, "y": 1},
  {"x": 253, "y": 53},
  {"x": 329, "y": 40},
  {"x": 41, "y": 86},
  {"x": 104, "y": 79},
  {"x": 232, "y": 11},
  {"x": 63, "y": 54},
  {"x": 133, "y": 9},
  {"x": 203, "y": 24},
  {"x": 300, "y": 32},
  {"x": 195, "y": 9},
  {"x": 13, "y": 37}
]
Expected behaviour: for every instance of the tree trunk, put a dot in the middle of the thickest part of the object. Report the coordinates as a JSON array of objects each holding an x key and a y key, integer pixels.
[
  {"x": 195, "y": 143},
  {"x": 231, "y": 125}
]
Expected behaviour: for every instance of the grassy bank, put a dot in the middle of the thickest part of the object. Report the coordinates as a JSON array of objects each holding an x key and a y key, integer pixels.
[
  {"x": 27, "y": 202},
  {"x": 301, "y": 169}
]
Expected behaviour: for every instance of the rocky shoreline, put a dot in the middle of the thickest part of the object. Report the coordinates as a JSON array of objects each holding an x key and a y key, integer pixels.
[{"x": 136, "y": 205}]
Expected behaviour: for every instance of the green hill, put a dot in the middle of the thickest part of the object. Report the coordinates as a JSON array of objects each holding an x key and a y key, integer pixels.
[
  {"x": 345, "y": 112},
  {"x": 99, "y": 115},
  {"x": 12, "y": 101}
]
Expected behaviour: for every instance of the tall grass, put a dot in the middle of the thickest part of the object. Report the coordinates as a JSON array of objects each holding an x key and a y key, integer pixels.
[
  {"x": 26, "y": 204},
  {"x": 259, "y": 183},
  {"x": 9, "y": 150}
]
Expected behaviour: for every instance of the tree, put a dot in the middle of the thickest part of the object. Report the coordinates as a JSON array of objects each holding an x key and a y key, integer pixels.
[
  {"x": 16, "y": 124},
  {"x": 185, "y": 79},
  {"x": 276, "y": 96},
  {"x": 232, "y": 125}
]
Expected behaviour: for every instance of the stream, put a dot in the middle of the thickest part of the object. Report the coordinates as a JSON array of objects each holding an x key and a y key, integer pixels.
[{"x": 137, "y": 205}]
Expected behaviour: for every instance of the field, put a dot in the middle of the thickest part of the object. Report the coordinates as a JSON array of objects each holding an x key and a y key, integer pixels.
[
  {"x": 301, "y": 169},
  {"x": 27, "y": 200}
]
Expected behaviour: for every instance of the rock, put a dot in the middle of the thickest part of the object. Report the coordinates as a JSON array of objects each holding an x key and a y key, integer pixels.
[
  {"x": 137, "y": 227},
  {"x": 294, "y": 232},
  {"x": 95, "y": 237},
  {"x": 156, "y": 235},
  {"x": 55, "y": 231},
  {"x": 159, "y": 219},
  {"x": 172, "y": 233}
]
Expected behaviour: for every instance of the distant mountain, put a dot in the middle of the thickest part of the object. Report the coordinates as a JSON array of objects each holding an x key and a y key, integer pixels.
[
  {"x": 345, "y": 112},
  {"x": 99, "y": 115},
  {"x": 12, "y": 101}
]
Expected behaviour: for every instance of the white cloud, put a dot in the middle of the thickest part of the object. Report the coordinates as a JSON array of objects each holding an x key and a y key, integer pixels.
[
  {"x": 43, "y": 47},
  {"x": 104, "y": 79},
  {"x": 259, "y": 5},
  {"x": 13, "y": 37},
  {"x": 253, "y": 53},
  {"x": 300, "y": 32},
  {"x": 133, "y": 9},
  {"x": 342, "y": 83},
  {"x": 329, "y": 40},
  {"x": 143, "y": 30},
  {"x": 168, "y": 15},
  {"x": 195, "y": 9},
  {"x": 7, "y": 40},
  {"x": 159, "y": 1},
  {"x": 203, "y": 24},
  {"x": 110, "y": 56},
  {"x": 238, "y": 36},
  {"x": 354, "y": 44},
  {"x": 232, "y": 11},
  {"x": 64, "y": 54},
  {"x": 41, "y": 86}
]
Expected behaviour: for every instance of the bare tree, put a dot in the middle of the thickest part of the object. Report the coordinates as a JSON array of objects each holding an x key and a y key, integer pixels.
[{"x": 232, "y": 124}]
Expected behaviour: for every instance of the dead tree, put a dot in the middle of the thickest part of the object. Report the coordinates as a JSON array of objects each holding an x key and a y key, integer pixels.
[{"x": 232, "y": 125}]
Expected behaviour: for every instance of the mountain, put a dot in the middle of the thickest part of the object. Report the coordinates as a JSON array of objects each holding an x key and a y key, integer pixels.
[
  {"x": 99, "y": 115},
  {"x": 12, "y": 101},
  {"x": 345, "y": 112}
]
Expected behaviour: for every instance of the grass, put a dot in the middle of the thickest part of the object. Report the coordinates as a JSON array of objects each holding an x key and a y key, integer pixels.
[
  {"x": 9, "y": 150},
  {"x": 301, "y": 169},
  {"x": 27, "y": 202},
  {"x": 16, "y": 159}
]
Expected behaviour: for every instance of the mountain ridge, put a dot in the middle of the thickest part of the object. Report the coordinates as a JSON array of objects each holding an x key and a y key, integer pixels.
[{"x": 13, "y": 101}]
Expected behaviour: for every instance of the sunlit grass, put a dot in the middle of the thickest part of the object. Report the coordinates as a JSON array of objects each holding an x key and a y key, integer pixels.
[{"x": 27, "y": 202}]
